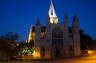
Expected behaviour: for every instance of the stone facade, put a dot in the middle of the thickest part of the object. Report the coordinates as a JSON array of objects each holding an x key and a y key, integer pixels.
[{"x": 54, "y": 39}]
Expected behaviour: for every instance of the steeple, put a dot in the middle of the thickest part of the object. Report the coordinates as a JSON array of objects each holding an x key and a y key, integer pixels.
[
  {"x": 52, "y": 14},
  {"x": 65, "y": 19}
]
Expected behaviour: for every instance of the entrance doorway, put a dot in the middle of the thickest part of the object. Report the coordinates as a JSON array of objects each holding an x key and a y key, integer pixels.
[
  {"x": 57, "y": 41},
  {"x": 42, "y": 51},
  {"x": 57, "y": 53}
]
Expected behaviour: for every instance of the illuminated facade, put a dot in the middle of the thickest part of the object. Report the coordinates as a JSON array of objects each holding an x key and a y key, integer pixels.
[{"x": 54, "y": 39}]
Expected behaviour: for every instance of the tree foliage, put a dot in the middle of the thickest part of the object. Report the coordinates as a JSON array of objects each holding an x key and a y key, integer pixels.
[
  {"x": 25, "y": 49},
  {"x": 85, "y": 40}
]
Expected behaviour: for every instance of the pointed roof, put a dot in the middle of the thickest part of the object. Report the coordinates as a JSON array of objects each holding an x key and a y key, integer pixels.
[
  {"x": 75, "y": 19},
  {"x": 65, "y": 19},
  {"x": 52, "y": 10}
]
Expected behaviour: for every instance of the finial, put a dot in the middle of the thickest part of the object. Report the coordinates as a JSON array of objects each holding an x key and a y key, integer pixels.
[{"x": 51, "y": 2}]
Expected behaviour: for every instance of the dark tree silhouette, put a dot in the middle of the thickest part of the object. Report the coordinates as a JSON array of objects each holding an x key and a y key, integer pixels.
[
  {"x": 10, "y": 36},
  {"x": 6, "y": 50},
  {"x": 85, "y": 39},
  {"x": 23, "y": 46}
]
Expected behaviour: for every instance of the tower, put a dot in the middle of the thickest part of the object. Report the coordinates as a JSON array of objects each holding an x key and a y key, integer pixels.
[
  {"x": 37, "y": 39},
  {"x": 52, "y": 14},
  {"x": 76, "y": 36},
  {"x": 67, "y": 40},
  {"x": 66, "y": 26}
]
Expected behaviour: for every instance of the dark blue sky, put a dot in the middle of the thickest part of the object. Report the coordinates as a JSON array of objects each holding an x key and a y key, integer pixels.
[{"x": 17, "y": 15}]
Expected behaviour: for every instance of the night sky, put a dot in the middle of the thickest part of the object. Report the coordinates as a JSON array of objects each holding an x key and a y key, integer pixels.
[{"x": 17, "y": 15}]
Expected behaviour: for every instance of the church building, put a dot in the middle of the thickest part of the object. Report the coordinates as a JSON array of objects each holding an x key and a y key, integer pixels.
[{"x": 55, "y": 40}]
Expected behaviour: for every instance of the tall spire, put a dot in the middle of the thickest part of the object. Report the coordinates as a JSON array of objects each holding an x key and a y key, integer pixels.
[{"x": 52, "y": 14}]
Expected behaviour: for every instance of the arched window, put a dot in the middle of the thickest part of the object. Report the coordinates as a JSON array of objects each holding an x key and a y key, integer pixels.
[{"x": 57, "y": 37}]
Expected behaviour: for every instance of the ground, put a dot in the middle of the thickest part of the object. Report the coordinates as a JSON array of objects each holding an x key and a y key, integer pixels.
[{"x": 91, "y": 58}]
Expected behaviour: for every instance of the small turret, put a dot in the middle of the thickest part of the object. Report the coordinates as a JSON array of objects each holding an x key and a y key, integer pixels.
[
  {"x": 76, "y": 36},
  {"x": 75, "y": 23},
  {"x": 66, "y": 30},
  {"x": 38, "y": 29},
  {"x": 65, "y": 20},
  {"x": 37, "y": 38},
  {"x": 47, "y": 20}
]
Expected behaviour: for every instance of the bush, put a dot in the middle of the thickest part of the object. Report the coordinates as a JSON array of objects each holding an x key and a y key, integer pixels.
[{"x": 26, "y": 50}]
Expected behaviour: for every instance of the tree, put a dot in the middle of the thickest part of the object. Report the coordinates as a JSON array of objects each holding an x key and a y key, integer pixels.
[
  {"x": 10, "y": 36},
  {"x": 85, "y": 39},
  {"x": 6, "y": 50},
  {"x": 25, "y": 49}
]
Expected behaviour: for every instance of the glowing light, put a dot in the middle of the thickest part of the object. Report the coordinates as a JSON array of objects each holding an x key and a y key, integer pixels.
[
  {"x": 91, "y": 52},
  {"x": 54, "y": 20},
  {"x": 36, "y": 54}
]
